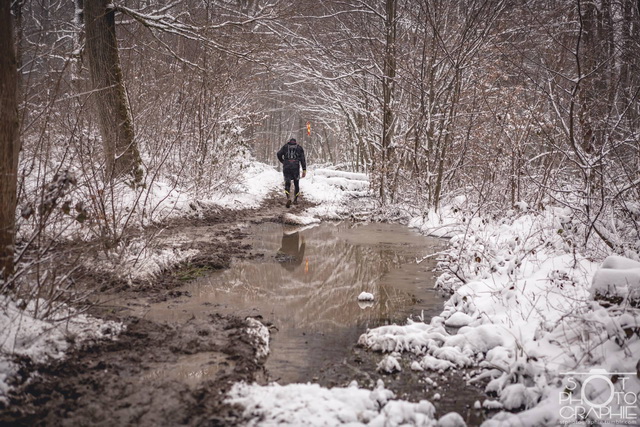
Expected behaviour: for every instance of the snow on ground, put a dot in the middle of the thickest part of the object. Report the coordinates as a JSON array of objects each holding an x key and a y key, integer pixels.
[
  {"x": 618, "y": 277},
  {"x": 23, "y": 333},
  {"x": 333, "y": 190},
  {"x": 257, "y": 183},
  {"x": 312, "y": 405},
  {"x": 522, "y": 300},
  {"x": 365, "y": 296}
]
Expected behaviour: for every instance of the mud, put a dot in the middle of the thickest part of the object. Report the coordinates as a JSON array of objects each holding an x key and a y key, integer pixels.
[
  {"x": 307, "y": 285},
  {"x": 176, "y": 369},
  {"x": 155, "y": 373},
  {"x": 120, "y": 383}
]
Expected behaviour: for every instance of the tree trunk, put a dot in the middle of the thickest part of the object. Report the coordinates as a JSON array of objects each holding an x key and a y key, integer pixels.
[
  {"x": 388, "y": 79},
  {"x": 9, "y": 143},
  {"x": 114, "y": 117}
]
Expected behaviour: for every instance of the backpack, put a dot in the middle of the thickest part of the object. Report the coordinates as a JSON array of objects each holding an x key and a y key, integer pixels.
[{"x": 292, "y": 152}]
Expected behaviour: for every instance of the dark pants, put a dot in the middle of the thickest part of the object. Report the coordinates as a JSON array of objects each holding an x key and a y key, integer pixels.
[{"x": 291, "y": 175}]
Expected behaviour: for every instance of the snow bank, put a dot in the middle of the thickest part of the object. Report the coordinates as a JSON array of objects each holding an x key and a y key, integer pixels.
[
  {"x": 521, "y": 296},
  {"x": 447, "y": 222},
  {"x": 333, "y": 190},
  {"x": 22, "y": 333},
  {"x": 617, "y": 277},
  {"x": 312, "y": 405}
]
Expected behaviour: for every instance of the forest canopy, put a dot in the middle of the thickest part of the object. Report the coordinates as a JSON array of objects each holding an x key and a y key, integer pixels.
[{"x": 503, "y": 102}]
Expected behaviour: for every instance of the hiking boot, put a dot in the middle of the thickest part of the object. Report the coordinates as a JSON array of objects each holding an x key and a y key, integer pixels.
[
  {"x": 288, "y": 202},
  {"x": 295, "y": 200}
]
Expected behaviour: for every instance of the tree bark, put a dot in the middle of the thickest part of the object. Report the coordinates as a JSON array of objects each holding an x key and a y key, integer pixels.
[
  {"x": 114, "y": 116},
  {"x": 9, "y": 142},
  {"x": 388, "y": 80}
]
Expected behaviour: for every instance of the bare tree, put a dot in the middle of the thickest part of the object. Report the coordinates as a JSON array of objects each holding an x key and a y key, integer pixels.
[
  {"x": 116, "y": 125},
  {"x": 9, "y": 143}
]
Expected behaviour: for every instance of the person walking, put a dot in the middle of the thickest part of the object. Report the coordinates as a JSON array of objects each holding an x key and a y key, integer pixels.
[{"x": 291, "y": 155}]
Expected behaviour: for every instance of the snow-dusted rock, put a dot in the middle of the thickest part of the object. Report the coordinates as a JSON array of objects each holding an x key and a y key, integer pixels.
[
  {"x": 365, "y": 296},
  {"x": 434, "y": 364},
  {"x": 491, "y": 404},
  {"x": 260, "y": 334}
]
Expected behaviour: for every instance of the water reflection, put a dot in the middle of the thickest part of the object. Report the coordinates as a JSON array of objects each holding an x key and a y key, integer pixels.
[
  {"x": 308, "y": 284},
  {"x": 318, "y": 275},
  {"x": 291, "y": 252}
]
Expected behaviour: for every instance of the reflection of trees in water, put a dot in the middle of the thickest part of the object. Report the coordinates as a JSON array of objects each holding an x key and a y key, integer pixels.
[{"x": 327, "y": 293}]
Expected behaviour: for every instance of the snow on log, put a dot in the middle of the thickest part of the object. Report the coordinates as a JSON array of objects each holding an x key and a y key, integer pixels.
[
  {"x": 617, "y": 277},
  {"x": 341, "y": 174},
  {"x": 346, "y": 181},
  {"x": 348, "y": 184}
]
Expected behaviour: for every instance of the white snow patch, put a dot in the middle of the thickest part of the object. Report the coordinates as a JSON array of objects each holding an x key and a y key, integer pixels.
[
  {"x": 252, "y": 187},
  {"x": 617, "y": 277},
  {"x": 23, "y": 333},
  {"x": 260, "y": 333},
  {"x": 435, "y": 364},
  {"x": 292, "y": 219},
  {"x": 452, "y": 419},
  {"x": 365, "y": 296},
  {"x": 312, "y": 405},
  {"x": 389, "y": 365},
  {"x": 458, "y": 319}
]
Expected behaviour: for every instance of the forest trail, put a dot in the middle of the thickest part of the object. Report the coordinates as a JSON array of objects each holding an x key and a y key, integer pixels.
[{"x": 125, "y": 382}]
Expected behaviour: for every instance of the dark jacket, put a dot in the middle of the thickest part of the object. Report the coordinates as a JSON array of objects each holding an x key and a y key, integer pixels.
[{"x": 291, "y": 155}]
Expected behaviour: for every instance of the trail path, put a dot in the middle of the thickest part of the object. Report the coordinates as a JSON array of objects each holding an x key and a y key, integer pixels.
[{"x": 126, "y": 381}]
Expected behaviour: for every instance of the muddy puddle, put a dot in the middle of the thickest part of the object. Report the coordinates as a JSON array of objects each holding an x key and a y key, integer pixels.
[{"x": 307, "y": 285}]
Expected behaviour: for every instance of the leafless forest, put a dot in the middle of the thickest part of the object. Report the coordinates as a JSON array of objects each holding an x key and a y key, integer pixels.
[{"x": 502, "y": 101}]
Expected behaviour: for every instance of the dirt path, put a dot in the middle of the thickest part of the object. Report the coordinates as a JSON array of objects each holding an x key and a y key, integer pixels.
[{"x": 137, "y": 379}]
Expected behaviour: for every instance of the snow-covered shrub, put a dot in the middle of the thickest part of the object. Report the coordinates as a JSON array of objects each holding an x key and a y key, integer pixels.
[{"x": 521, "y": 297}]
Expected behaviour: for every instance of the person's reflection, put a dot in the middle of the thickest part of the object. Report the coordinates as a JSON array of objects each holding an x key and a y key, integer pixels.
[{"x": 291, "y": 252}]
